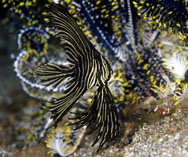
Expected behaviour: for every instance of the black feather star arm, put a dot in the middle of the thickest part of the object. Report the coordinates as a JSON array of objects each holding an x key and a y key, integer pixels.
[
  {"x": 131, "y": 24},
  {"x": 171, "y": 15}
]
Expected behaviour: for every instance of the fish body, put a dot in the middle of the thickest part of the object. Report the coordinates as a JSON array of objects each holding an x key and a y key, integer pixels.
[{"x": 87, "y": 68}]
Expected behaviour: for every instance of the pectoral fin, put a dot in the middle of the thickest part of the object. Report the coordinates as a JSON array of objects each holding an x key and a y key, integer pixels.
[{"x": 52, "y": 75}]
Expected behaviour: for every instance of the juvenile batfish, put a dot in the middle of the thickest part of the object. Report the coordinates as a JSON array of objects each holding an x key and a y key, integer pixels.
[{"x": 87, "y": 68}]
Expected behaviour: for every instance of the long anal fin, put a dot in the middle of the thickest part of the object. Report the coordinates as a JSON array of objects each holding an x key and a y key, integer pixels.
[{"x": 102, "y": 115}]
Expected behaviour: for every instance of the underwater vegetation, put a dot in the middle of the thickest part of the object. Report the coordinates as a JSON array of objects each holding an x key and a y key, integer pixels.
[{"x": 94, "y": 66}]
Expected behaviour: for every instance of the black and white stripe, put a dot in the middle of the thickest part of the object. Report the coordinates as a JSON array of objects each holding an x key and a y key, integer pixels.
[{"x": 87, "y": 68}]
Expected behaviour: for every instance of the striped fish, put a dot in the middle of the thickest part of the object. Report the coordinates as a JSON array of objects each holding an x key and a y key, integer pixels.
[{"x": 87, "y": 68}]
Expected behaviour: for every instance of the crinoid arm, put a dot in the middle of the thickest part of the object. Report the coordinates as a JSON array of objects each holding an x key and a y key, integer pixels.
[
  {"x": 66, "y": 139},
  {"x": 164, "y": 14}
]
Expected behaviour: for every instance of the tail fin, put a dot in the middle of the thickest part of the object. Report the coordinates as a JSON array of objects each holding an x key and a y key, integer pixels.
[{"x": 103, "y": 114}]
